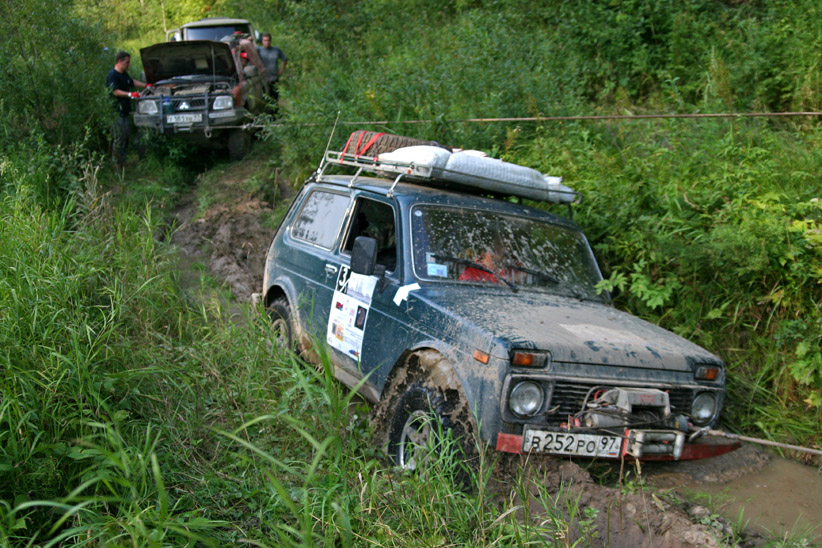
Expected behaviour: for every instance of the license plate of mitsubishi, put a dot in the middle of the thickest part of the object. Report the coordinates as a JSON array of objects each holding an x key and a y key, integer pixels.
[
  {"x": 571, "y": 443},
  {"x": 184, "y": 118}
]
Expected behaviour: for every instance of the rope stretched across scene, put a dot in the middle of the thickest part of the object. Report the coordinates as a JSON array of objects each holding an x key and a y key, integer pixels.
[{"x": 592, "y": 117}]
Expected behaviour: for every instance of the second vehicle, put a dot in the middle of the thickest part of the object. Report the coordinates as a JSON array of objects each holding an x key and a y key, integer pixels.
[{"x": 203, "y": 92}]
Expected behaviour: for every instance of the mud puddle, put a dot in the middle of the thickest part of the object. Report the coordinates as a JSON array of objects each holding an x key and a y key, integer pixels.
[
  {"x": 783, "y": 500},
  {"x": 775, "y": 497}
]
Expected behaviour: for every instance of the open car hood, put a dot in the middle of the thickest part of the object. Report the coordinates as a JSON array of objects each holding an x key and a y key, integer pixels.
[{"x": 194, "y": 57}]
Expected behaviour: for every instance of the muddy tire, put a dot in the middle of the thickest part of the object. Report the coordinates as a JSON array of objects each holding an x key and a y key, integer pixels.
[
  {"x": 424, "y": 426},
  {"x": 239, "y": 141},
  {"x": 384, "y": 143},
  {"x": 279, "y": 311}
]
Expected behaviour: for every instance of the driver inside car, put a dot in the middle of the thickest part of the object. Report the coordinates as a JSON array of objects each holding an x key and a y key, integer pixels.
[{"x": 496, "y": 259}]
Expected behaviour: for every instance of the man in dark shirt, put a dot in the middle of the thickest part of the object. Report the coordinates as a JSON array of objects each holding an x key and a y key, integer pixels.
[
  {"x": 120, "y": 84},
  {"x": 271, "y": 57}
]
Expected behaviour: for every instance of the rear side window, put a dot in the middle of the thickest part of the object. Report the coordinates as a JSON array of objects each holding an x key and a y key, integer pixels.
[{"x": 320, "y": 219}]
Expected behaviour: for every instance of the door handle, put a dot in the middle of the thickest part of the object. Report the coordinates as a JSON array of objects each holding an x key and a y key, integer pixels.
[{"x": 330, "y": 269}]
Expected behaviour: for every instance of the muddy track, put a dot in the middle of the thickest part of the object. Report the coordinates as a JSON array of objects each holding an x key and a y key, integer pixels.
[{"x": 229, "y": 237}]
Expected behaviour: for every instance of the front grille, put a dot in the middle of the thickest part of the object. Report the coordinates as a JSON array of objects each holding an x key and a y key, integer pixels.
[
  {"x": 189, "y": 103},
  {"x": 570, "y": 397}
]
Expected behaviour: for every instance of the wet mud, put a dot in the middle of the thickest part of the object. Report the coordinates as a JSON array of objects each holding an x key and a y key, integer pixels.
[{"x": 772, "y": 495}]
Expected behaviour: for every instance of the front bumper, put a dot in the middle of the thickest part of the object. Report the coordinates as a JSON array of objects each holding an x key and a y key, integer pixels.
[
  {"x": 646, "y": 445},
  {"x": 200, "y": 121}
]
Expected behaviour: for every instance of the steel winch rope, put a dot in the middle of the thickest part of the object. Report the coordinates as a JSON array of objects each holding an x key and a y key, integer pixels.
[
  {"x": 721, "y": 434},
  {"x": 592, "y": 117}
]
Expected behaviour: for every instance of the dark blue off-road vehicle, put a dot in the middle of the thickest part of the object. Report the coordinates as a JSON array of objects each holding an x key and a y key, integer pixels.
[{"x": 438, "y": 296}]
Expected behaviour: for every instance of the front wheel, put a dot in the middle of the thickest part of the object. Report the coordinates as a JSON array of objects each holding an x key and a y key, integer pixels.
[{"x": 423, "y": 427}]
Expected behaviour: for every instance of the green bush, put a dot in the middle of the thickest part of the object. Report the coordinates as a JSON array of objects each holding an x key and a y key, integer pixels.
[{"x": 53, "y": 69}]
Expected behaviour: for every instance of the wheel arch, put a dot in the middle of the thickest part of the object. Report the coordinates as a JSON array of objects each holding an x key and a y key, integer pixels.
[{"x": 437, "y": 362}]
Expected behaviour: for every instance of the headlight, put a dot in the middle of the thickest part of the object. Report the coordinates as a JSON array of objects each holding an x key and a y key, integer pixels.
[
  {"x": 526, "y": 399},
  {"x": 147, "y": 107},
  {"x": 704, "y": 407},
  {"x": 222, "y": 102}
]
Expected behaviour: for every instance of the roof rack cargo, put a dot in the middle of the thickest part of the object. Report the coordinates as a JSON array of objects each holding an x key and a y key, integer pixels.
[{"x": 461, "y": 169}]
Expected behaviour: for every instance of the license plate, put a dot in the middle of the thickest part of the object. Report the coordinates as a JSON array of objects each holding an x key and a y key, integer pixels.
[
  {"x": 184, "y": 118},
  {"x": 571, "y": 443}
]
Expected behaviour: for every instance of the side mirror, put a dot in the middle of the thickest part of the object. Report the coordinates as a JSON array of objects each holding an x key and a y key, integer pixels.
[
  {"x": 364, "y": 256},
  {"x": 250, "y": 71}
]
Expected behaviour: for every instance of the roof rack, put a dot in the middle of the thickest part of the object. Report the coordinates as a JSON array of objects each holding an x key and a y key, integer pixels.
[{"x": 439, "y": 167}]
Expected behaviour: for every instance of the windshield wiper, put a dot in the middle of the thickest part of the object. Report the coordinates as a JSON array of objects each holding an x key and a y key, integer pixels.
[
  {"x": 478, "y": 266},
  {"x": 543, "y": 275}
]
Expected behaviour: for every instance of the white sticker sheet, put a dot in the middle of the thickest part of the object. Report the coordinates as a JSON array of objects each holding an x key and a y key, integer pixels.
[{"x": 349, "y": 311}]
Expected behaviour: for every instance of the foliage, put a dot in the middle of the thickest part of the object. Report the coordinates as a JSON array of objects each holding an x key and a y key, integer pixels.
[{"x": 52, "y": 74}]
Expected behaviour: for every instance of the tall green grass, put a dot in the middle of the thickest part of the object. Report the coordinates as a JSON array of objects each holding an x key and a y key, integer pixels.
[{"x": 134, "y": 413}]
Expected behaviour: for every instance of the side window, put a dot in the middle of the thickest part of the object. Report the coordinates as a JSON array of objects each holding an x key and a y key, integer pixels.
[
  {"x": 320, "y": 219},
  {"x": 376, "y": 220}
]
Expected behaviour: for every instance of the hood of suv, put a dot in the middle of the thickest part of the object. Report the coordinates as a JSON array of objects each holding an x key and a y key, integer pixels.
[
  {"x": 192, "y": 58},
  {"x": 573, "y": 331}
]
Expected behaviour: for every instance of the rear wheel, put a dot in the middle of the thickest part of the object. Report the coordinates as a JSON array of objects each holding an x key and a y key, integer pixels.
[{"x": 279, "y": 311}]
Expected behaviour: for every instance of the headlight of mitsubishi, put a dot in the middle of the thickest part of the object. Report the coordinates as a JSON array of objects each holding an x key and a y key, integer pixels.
[
  {"x": 526, "y": 399},
  {"x": 703, "y": 408},
  {"x": 147, "y": 107},
  {"x": 223, "y": 102}
]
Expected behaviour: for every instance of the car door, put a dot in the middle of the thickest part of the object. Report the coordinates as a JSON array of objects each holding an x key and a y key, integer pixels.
[{"x": 371, "y": 317}]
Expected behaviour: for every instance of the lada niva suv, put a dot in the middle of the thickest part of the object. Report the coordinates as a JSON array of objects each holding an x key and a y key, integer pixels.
[{"x": 435, "y": 299}]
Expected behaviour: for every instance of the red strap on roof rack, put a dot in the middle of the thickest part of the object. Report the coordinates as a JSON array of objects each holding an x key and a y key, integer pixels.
[
  {"x": 368, "y": 145},
  {"x": 358, "y": 149}
]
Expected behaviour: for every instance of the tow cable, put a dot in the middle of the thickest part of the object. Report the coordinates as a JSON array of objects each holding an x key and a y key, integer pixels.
[{"x": 719, "y": 433}]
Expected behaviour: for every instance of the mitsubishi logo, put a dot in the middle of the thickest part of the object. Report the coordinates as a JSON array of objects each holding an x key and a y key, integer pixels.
[{"x": 184, "y": 106}]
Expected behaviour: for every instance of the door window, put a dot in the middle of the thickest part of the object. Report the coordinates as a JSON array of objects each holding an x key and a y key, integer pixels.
[{"x": 376, "y": 220}]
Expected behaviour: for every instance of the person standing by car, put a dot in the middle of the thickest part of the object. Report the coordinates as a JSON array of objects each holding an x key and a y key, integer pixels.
[
  {"x": 271, "y": 56},
  {"x": 120, "y": 85}
]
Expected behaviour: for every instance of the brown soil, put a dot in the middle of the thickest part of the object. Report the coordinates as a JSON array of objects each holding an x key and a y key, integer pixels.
[{"x": 230, "y": 238}]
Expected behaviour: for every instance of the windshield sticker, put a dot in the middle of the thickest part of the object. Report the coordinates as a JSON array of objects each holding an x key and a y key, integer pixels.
[
  {"x": 437, "y": 270},
  {"x": 434, "y": 269},
  {"x": 349, "y": 311},
  {"x": 402, "y": 293}
]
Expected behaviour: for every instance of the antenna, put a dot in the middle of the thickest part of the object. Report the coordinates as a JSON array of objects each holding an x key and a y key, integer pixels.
[{"x": 327, "y": 146}]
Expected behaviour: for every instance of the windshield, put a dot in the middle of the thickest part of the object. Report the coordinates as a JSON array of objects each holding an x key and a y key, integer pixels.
[
  {"x": 225, "y": 32},
  {"x": 169, "y": 60},
  {"x": 485, "y": 247}
]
